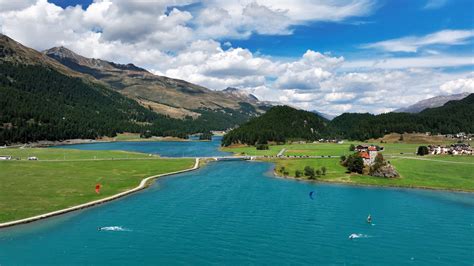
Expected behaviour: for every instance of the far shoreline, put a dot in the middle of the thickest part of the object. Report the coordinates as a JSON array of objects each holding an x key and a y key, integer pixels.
[
  {"x": 276, "y": 175},
  {"x": 50, "y": 143}
]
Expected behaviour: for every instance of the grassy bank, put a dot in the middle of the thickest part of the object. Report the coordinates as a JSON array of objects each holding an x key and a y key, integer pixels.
[
  {"x": 71, "y": 154},
  {"x": 34, "y": 187},
  {"x": 440, "y": 173},
  {"x": 325, "y": 149}
]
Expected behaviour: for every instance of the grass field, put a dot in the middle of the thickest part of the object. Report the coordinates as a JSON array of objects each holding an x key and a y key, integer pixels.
[
  {"x": 251, "y": 150},
  {"x": 71, "y": 154},
  {"x": 332, "y": 149},
  {"x": 30, "y": 188},
  {"x": 318, "y": 149},
  {"x": 333, "y": 168},
  {"x": 128, "y": 137},
  {"x": 431, "y": 172},
  {"x": 413, "y": 138}
]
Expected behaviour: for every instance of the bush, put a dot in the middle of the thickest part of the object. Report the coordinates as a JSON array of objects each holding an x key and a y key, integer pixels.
[
  {"x": 352, "y": 147},
  {"x": 298, "y": 173},
  {"x": 422, "y": 150},
  {"x": 323, "y": 170},
  {"x": 262, "y": 146},
  {"x": 282, "y": 169},
  {"x": 286, "y": 173},
  {"x": 355, "y": 164},
  {"x": 343, "y": 158},
  {"x": 309, "y": 172},
  {"x": 146, "y": 135},
  {"x": 205, "y": 136}
]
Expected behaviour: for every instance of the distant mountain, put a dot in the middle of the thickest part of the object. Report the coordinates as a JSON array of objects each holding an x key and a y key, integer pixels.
[
  {"x": 173, "y": 97},
  {"x": 431, "y": 103},
  {"x": 278, "y": 124},
  {"x": 240, "y": 94},
  {"x": 42, "y": 98},
  {"x": 453, "y": 117},
  {"x": 327, "y": 116}
]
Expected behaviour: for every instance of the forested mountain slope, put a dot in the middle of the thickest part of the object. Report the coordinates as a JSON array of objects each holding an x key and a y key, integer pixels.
[
  {"x": 173, "y": 97},
  {"x": 279, "y": 124},
  {"x": 453, "y": 117},
  {"x": 283, "y": 123},
  {"x": 42, "y": 99}
]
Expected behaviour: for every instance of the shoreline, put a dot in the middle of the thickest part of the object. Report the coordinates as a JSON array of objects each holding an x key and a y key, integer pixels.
[
  {"x": 276, "y": 175},
  {"x": 144, "y": 183},
  {"x": 48, "y": 143}
]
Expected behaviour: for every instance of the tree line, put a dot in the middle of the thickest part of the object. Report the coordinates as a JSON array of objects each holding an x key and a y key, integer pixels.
[{"x": 282, "y": 123}]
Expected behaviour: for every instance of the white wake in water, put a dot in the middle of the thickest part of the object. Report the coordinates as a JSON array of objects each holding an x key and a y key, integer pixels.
[
  {"x": 353, "y": 236},
  {"x": 114, "y": 228}
]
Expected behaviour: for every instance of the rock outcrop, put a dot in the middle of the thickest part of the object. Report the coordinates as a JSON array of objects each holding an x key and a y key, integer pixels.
[{"x": 387, "y": 171}]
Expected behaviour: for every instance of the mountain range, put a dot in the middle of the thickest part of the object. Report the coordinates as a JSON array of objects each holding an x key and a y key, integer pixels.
[
  {"x": 173, "y": 97},
  {"x": 58, "y": 94},
  {"x": 431, "y": 103},
  {"x": 82, "y": 90}
]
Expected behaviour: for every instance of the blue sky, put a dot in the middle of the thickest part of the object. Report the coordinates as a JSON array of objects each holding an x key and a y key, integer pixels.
[
  {"x": 331, "y": 55},
  {"x": 390, "y": 19}
]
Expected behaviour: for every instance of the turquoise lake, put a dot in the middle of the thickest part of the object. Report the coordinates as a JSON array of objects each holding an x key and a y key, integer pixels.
[
  {"x": 237, "y": 213},
  {"x": 163, "y": 148}
]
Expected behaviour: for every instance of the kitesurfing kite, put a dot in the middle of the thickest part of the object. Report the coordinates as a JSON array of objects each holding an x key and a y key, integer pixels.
[
  {"x": 311, "y": 195},
  {"x": 97, "y": 188}
]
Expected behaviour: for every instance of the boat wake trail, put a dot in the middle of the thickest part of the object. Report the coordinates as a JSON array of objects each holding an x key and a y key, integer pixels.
[
  {"x": 114, "y": 228},
  {"x": 353, "y": 236}
]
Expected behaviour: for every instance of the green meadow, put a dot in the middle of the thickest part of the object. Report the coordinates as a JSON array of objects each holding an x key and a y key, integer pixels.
[
  {"x": 31, "y": 188},
  {"x": 425, "y": 172},
  {"x": 436, "y": 172},
  {"x": 322, "y": 149},
  {"x": 71, "y": 154}
]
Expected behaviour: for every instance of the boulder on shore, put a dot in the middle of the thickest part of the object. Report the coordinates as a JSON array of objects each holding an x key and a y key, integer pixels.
[{"x": 387, "y": 171}]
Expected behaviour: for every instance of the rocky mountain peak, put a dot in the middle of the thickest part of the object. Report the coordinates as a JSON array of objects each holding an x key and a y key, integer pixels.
[
  {"x": 433, "y": 102},
  {"x": 240, "y": 94}
]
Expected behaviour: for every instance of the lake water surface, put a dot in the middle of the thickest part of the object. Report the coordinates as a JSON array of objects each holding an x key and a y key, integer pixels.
[
  {"x": 237, "y": 213},
  {"x": 163, "y": 148}
]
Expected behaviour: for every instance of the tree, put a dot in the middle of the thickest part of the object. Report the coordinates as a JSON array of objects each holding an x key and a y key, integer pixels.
[
  {"x": 206, "y": 136},
  {"x": 286, "y": 173},
  {"x": 298, "y": 173},
  {"x": 282, "y": 169},
  {"x": 309, "y": 172},
  {"x": 323, "y": 170},
  {"x": 401, "y": 137},
  {"x": 343, "y": 159},
  {"x": 355, "y": 164},
  {"x": 262, "y": 146},
  {"x": 379, "y": 159},
  {"x": 422, "y": 150},
  {"x": 317, "y": 172},
  {"x": 352, "y": 147},
  {"x": 378, "y": 163}
]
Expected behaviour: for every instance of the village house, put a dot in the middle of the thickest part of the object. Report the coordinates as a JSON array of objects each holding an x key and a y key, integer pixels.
[
  {"x": 368, "y": 153},
  {"x": 454, "y": 149}
]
